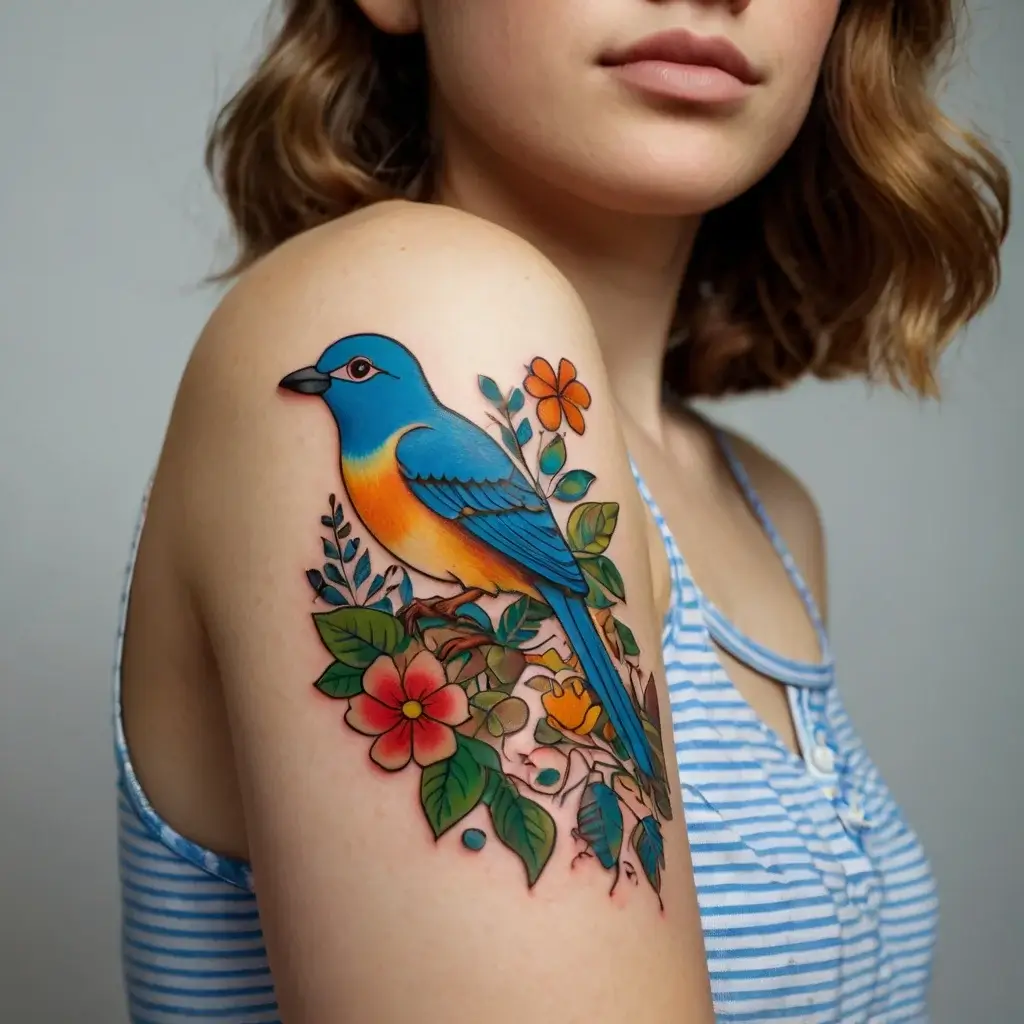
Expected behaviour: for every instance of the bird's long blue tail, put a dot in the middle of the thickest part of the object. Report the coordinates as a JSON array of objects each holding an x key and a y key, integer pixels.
[{"x": 601, "y": 674}]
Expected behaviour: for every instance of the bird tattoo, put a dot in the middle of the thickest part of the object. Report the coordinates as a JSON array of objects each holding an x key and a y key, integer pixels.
[{"x": 442, "y": 496}]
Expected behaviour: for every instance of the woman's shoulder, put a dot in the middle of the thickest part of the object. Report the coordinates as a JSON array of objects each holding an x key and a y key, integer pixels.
[
  {"x": 779, "y": 487},
  {"x": 401, "y": 254},
  {"x": 459, "y": 286}
]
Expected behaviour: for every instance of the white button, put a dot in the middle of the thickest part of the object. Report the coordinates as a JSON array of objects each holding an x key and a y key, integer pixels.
[
  {"x": 823, "y": 760},
  {"x": 854, "y": 814}
]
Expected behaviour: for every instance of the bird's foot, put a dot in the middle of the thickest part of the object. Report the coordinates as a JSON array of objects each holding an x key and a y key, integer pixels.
[
  {"x": 418, "y": 608},
  {"x": 436, "y": 608},
  {"x": 450, "y": 606},
  {"x": 459, "y": 644}
]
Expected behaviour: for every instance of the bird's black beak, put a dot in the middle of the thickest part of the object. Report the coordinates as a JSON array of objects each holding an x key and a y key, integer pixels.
[{"x": 307, "y": 381}]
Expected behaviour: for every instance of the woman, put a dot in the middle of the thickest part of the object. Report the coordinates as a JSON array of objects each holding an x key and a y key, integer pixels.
[{"x": 409, "y": 631}]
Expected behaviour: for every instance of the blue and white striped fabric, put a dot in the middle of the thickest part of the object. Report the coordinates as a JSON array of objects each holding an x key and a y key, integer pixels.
[
  {"x": 191, "y": 944},
  {"x": 816, "y": 899}
]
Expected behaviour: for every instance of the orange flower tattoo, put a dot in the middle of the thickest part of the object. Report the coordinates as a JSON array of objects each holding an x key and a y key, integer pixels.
[
  {"x": 571, "y": 708},
  {"x": 557, "y": 396}
]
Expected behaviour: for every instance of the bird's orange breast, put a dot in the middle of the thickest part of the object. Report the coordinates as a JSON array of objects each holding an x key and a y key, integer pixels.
[{"x": 418, "y": 537}]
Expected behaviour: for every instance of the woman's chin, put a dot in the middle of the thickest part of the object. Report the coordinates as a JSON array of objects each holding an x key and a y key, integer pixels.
[
  {"x": 656, "y": 177},
  {"x": 682, "y": 189}
]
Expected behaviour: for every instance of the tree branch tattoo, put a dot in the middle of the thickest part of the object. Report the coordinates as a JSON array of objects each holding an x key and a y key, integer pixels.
[{"x": 518, "y": 691}]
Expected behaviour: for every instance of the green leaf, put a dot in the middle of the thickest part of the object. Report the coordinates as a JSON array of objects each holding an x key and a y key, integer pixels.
[
  {"x": 629, "y": 645},
  {"x": 496, "y": 779},
  {"x": 596, "y": 597},
  {"x": 490, "y": 390},
  {"x": 506, "y": 664},
  {"x": 523, "y": 826},
  {"x": 510, "y": 440},
  {"x": 432, "y": 622},
  {"x": 591, "y": 526},
  {"x": 521, "y": 620},
  {"x": 405, "y": 589},
  {"x": 483, "y": 753},
  {"x": 647, "y": 840},
  {"x": 524, "y": 432},
  {"x": 464, "y": 666},
  {"x": 552, "y": 458},
  {"x": 573, "y": 485},
  {"x": 508, "y": 716},
  {"x": 599, "y": 822},
  {"x": 602, "y": 569},
  {"x": 341, "y": 681},
  {"x": 456, "y": 665},
  {"x": 546, "y": 735},
  {"x": 450, "y": 789},
  {"x": 488, "y": 699},
  {"x": 362, "y": 573},
  {"x": 620, "y": 748},
  {"x": 330, "y": 548},
  {"x": 499, "y": 713},
  {"x": 516, "y": 401},
  {"x": 358, "y": 636},
  {"x": 476, "y": 615},
  {"x": 657, "y": 787},
  {"x": 652, "y": 706}
]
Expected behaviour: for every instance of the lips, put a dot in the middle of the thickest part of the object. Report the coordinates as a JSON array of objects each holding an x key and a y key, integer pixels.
[{"x": 685, "y": 48}]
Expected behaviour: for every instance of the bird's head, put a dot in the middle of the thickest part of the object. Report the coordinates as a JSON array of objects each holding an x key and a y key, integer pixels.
[{"x": 367, "y": 380}]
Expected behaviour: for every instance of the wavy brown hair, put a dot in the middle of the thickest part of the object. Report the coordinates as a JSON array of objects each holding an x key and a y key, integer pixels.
[{"x": 866, "y": 248}]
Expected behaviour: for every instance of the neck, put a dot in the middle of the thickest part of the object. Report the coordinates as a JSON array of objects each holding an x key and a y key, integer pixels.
[{"x": 627, "y": 268}]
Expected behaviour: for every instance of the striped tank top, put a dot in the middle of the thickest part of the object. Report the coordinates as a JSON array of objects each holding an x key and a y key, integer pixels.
[{"x": 816, "y": 900}]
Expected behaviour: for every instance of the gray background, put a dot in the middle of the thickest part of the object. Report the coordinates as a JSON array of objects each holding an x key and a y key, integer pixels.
[{"x": 108, "y": 225}]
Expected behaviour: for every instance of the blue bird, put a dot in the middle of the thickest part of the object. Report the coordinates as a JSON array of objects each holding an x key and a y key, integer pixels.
[{"x": 445, "y": 498}]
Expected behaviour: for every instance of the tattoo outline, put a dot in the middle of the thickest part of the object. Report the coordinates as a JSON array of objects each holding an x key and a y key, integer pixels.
[{"x": 525, "y": 643}]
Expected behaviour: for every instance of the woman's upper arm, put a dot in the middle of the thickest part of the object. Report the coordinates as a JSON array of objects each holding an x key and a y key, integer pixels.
[{"x": 453, "y": 813}]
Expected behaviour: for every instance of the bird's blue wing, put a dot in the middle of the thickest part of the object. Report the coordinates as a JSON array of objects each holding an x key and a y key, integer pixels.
[{"x": 461, "y": 473}]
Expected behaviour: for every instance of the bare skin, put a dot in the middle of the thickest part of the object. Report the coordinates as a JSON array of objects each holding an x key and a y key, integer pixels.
[
  {"x": 536, "y": 236},
  {"x": 174, "y": 710},
  {"x": 625, "y": 263},
  {"x": 173, "y": 704}
]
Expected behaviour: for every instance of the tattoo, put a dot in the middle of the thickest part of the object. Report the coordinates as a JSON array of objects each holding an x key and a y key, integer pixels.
[{"x": 515, "y": 688}]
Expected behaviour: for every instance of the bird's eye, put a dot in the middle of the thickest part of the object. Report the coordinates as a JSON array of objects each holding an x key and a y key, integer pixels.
[{"x": 359, "y": 368}]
